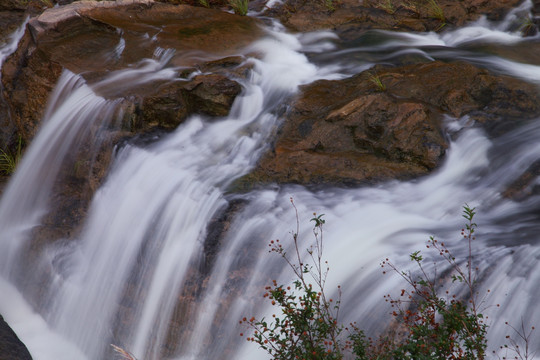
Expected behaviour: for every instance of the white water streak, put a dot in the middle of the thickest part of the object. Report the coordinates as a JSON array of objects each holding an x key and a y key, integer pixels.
[
  {"x": 13, "y": 40},
  {"x": 27, "y": 196}
]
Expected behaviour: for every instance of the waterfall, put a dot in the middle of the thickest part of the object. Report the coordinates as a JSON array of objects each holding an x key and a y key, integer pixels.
[
  {"x": 131, "y": 268},
  {"x": 9, "y": 48}
]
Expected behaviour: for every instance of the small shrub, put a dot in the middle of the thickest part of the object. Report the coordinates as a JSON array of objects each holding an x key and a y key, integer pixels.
[
  {"x": 436, "y": 323},
  {"x": 240, "y": 7},
  {"x": 307, "y": 323},
  {"x": 439, "y": 324},
  {"x": 524, "y": 337}
]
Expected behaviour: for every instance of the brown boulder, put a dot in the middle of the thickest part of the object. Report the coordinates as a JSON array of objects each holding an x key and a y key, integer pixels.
[
  {"x": 348, "y": 17},
  {"x": 350, "y": 132},
  {"x": 459, "y": 88},
  {"x": 211, "y": 94}
]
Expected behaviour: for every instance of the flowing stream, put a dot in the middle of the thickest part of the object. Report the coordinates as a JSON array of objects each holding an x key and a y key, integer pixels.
[{"x": 146, "y": 229}]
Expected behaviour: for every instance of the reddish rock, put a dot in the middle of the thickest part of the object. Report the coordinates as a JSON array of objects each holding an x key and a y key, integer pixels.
[
  {"x": 349, "y": 132},
  {"x": 348, "y": 17}
]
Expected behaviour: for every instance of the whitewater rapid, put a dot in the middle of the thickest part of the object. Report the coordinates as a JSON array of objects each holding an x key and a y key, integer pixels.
[{"x": 147, "y": 224}]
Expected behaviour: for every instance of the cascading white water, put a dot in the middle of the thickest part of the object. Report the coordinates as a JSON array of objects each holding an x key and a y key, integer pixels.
[
  {"x": 152, "y": 212},
  {"x": 13, "y": 40},
  {"x": 147, "y": 224}
]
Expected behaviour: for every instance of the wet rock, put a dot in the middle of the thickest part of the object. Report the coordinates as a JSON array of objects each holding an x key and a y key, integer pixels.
[
  {"x": 357, "y": 130},
  {"x": 29, "y": 6},
  {"x": 28, "y": 78},
  {"x": 9, "y": 22},
  {"x": 217, "y": 228},
  {"x": 82, "y": 37},
  {"x": 459, "y": 89},
  {"x": 25, "y": 7},
  {"x": 367, "y": 137},
  {"x": 525, "y": 185},
  {"x": 195, "y": 285},
  {"x": 13, "y": 5},
  {"x": 11, "y": 348},
  {"x": 212, "y": 94},
  {"x": 348, "y": 17}
]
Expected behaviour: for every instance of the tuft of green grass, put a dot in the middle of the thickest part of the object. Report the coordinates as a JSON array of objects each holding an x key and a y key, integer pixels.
[
  {"x": 436, "y": 11},
  {"x": 240, "y": 7},
  {"x": 376, "y": 80},
  {"x": 9, "y": 161},
  {"x": 387, "y": 6},
  {"x": 330, "y": 5},
  {"x": 528, "y": 27},
  {"x": 204, "y": 3}
]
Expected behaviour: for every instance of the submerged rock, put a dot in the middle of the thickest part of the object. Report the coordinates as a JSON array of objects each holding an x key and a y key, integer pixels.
[
  {"x": 525, "y": 185},
  {"x": 386, "y": 123}
]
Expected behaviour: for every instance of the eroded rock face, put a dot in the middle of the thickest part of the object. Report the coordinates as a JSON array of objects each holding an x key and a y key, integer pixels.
[
  {"x": 348, "y": 17},
  {"x": 352, "y": 132}
]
